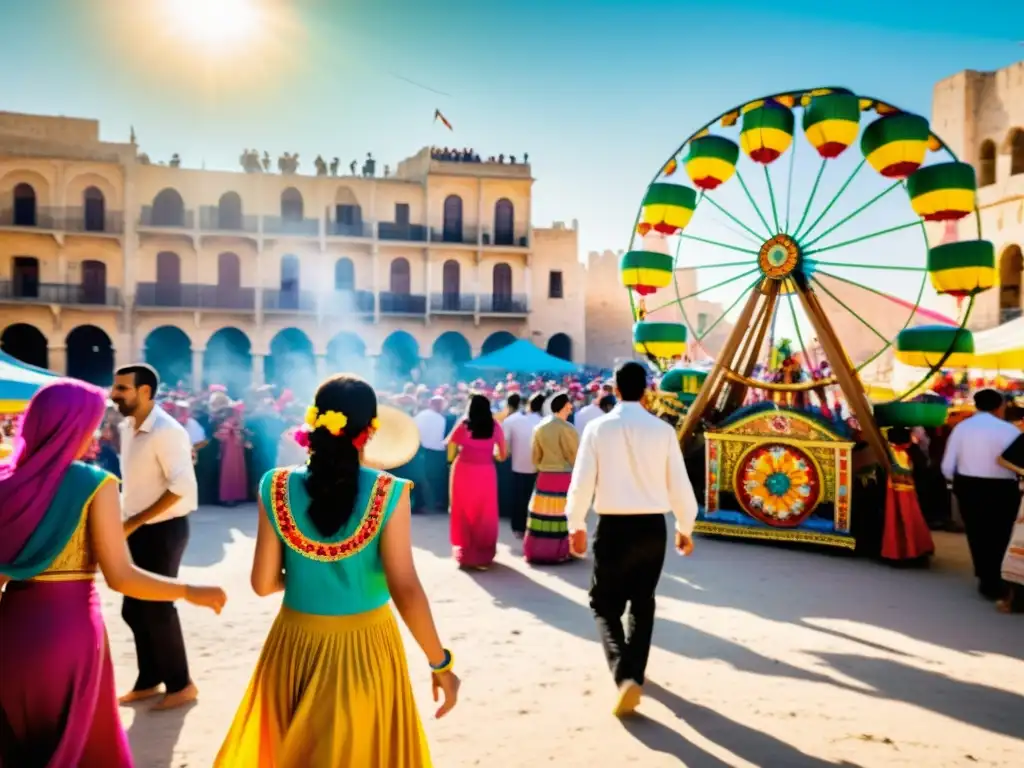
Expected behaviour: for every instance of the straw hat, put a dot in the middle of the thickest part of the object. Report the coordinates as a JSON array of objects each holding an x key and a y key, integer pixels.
[{"x": 396, "y": 441}]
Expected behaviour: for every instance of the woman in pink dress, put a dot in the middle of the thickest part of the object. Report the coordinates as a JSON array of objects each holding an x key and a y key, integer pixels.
[
  {"x": 231, "y": 435},
  {"x": 478, "y": 441}
]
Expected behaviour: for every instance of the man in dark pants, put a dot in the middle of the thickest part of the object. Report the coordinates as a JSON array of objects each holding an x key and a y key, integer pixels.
[
  {"x": 518, "y": 429},
  {"x": 158, "y": 492},
  {"x": 987, "y": 492},
  {"x": 630, "y": 466}
]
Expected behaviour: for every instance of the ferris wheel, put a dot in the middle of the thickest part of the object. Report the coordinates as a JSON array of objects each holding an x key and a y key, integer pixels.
[{"x": 783, "y": 237}]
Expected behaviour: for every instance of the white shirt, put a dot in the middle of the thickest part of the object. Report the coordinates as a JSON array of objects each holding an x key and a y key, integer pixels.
[
  {"x": 518, "y": 430},
  {"x": 586, "y": 415},
  {"x": 196, "y": 433},
  {"x": 156, "y": 458},
  {"x": 431, "y": 426},
  {"x": 974, "y": 446},
  {"x": 630, "y": 463}
]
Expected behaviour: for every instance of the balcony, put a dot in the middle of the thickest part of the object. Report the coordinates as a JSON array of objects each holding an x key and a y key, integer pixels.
[
  {"x": 278, "y": 225},
  {"x": 503, "y": 304},
  {"x": 194, "y": 296},
  {"x": 165, "y": 221},
  {"x": 212, "y": 219},
  {"x": 402, "y": 304},
  {"x": 506, "y": 239},
  {"x": 355, "y": 229},
  {"x": 32, "y": 217},
  {"x": 343, "y": 303},
  {"x": 92, "y": 221},
  {"x": 288, "y": 300},
  {"x": 1006, "y": 314},
  {"x": 32, "y": 292},
  {"x": 465, "y": 236},
  {"x": 453, "y": 303},
  {"x": 410, "y": 233}
]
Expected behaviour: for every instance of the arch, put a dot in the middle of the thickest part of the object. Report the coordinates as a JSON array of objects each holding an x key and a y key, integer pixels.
[
  {"x": 229, "y": 211},
  {"x": 348, "y": 214},
  {"x": 25, "y": 277},
  {"x": 168, "y": 279},
  {"x": 987, "y": 163},
  {"x": 400, "y": 280},
  {"x": 1017, "y": 152},
  {"x": 25, "y": 205},
  {"x": 452, "y": 348},
  {"x": 169, "y": 350},
  {"x": 501, "y": 285},
  {"x": 94, "y": 282},
  {"x": 291, "y": 363},
  {"x": 290, "y": 282},
  {"x": 228, "y": 361},
  {"x": 346, "y": 352},
  {"x": 344, "y": 274},
  {"x": 90, "y": 355},
  {"x": 27, "y": 343},
  {"x": 497, "y": 340},
  {"x": 1011, "y": 275},
  {"x": 399, "y": 354},
  {"x": 94, "y": 210},
  {"x": 229, "y": 271},
  {"x": 451, "y": 288},
  {"x": 560, "y": 346},
  {"x": 168, "y": 209},
  {"x": 452, "y": 232},
  {"x": 504, "y": 222},
  {"x": 291, "y": 205}
]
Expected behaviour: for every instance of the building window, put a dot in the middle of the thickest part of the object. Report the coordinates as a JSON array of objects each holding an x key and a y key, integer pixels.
[
  {"x": 702, "y": 322},
  {"x": 402, "y": 214},
  {"x": 555, "y": 289}
]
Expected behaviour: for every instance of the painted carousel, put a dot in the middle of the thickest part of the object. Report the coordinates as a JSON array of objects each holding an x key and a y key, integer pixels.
[{"x": 779, "y": 435}]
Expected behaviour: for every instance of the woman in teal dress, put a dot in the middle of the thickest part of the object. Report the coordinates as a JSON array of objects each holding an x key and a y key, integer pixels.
[{"x": 331, "y": 687}]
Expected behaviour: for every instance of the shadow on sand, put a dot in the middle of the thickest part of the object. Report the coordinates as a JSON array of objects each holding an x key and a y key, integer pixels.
[
  {"x": 213, "y": 529},
  {"x": 155, "y": 734}
]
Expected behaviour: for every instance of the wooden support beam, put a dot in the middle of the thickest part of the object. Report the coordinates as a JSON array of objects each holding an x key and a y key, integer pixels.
[{"x": 746, "y": 364}]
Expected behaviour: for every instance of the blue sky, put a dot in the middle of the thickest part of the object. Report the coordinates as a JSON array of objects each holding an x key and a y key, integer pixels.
[{"x": 598, "y": 92}]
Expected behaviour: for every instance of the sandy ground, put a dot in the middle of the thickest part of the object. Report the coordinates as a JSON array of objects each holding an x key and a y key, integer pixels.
[{"x": 764, "y": 656}]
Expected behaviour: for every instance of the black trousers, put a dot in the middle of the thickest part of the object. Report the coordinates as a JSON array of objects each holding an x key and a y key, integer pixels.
[
  {"x": 989, "y": 509},
  {"x": 629, "y": 552},
  {"x": 435, "y": 471},
  {"x": 159, "y": 646},
  {"x": 522, "y": 490}
]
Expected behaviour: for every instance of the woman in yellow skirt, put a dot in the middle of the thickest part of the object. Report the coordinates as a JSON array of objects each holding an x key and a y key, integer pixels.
[{"x": 331, "y": 688}]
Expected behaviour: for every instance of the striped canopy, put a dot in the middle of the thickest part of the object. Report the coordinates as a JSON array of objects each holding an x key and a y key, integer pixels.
[{"x": 18, "y": 382}]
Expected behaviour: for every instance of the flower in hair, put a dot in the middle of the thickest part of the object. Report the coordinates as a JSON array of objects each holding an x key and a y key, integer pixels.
[
  {"x": 375, "y": 423},
  {"x": 333, "y": 421},
  {"x": 311, "y": 414},
  {"x": 301, "y": 436}
]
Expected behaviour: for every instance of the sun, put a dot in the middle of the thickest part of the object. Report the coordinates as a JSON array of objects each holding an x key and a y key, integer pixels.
[{"x": 222, "y": 24}]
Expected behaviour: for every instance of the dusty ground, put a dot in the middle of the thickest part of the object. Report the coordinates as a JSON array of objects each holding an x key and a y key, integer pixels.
[{"x": 765, "y": 657}]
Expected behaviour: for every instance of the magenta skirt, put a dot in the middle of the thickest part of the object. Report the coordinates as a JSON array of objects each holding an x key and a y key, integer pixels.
[{"x": 58, "y": 706}]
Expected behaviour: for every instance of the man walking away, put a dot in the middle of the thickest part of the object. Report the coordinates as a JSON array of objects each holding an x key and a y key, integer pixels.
[
  {"x": 631, "y": 468},
  {"x": 431, "y": 425},
  {"x": 158, "y": 492},
  {"x": 519, "y": 438},
  {"x": 986, "y": 492}
]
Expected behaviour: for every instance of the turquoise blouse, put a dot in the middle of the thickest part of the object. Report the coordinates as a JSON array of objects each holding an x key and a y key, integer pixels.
[{"x": 343, "y": 574}]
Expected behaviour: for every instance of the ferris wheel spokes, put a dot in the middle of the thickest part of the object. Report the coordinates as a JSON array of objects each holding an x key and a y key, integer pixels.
[
  {"x": 862, "y": 238},
  {"x": 828, "y": 207},
  {"x": 849, "y": 217}
]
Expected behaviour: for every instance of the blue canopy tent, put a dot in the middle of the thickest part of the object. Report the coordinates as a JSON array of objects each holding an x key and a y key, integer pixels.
[
  {"x": 18, "y": 382},
  {"x": 522, "y": 357}
]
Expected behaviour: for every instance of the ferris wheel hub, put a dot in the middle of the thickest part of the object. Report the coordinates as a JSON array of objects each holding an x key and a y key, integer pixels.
[{"x": 779, "y": 257}]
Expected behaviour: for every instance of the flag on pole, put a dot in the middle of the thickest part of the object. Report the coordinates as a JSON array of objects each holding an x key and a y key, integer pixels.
[{"x": 443, "y": 119}]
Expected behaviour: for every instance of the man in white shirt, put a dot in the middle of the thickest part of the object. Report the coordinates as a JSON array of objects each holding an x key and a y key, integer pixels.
[
  {"x": 431, "y": 425},
  {"x": 158, "y": 491},
  {"x": 519, "y": 429},
  {"x": 592, "y": 411},
  {"x": 987, "y": 492},
  {"x": 630, "y": 467}
]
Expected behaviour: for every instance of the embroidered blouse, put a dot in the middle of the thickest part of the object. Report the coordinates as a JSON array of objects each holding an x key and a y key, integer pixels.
[{"x": 339, "y": 575}]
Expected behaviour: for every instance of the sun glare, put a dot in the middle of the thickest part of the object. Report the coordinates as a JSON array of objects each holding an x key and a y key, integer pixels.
[{"x": 216, "y": 23}]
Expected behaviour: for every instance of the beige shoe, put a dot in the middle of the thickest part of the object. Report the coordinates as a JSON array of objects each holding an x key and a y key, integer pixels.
[
  {"x": 186, "y": 695},
  {"x": 146, "y": 693},
  {"x": 630, "y": 694}
]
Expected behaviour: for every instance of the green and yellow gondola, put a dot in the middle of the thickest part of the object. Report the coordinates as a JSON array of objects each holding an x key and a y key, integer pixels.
[
  {"x": 943, "y": 191},
  {"x": 684, "y": 382},
  {"x": 711, "y": 161},
  {"x": 962, "y": 269},
  {"x": 667, "y": 208},
  {"x": 664, "y": 341},
  {"x": 767, "y": 131},
  {"x": 896, "y": 145},
  {"x": 831, "y": 123},
  {"x": 645, "y": 271},
  {"x": 927, "y": 346}
]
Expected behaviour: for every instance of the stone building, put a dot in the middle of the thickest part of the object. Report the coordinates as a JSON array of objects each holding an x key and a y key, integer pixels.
[{"x": 254, "y": 275}]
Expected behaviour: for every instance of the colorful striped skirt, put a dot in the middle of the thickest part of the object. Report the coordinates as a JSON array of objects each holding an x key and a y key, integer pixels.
[
  {"x": 547, "y": 528},
  {"x": 328, "y": 691}
]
